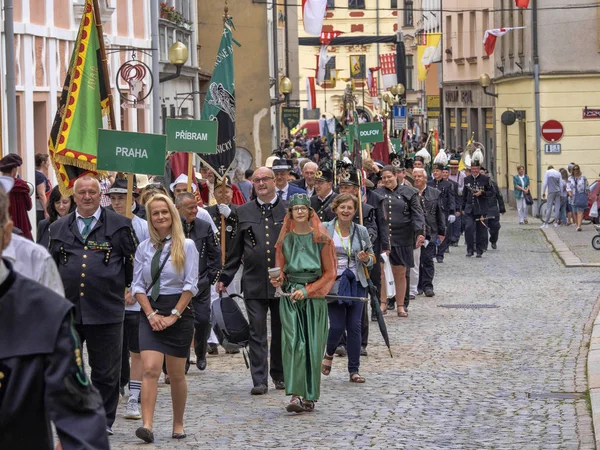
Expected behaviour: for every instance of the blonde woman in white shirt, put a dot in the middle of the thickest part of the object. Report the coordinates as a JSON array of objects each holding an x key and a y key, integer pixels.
[{"x": 166, "y": 322}]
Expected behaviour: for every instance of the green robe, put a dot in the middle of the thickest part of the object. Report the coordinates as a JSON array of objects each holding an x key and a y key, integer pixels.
[{"x": 304, "y": 324}]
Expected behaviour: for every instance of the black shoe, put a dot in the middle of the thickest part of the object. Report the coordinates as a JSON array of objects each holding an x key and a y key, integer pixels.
[
  {"x": 391, "y": 305},
  {"x": 279, "y": 385},
  {"x": 179, "y": 435},
  {"x": 201, "y": 364},
  {"x": 469, "y": 254},
  {"x": 429, "y": 293},
  {"x": 145, "y": 435},
  {"x": 341, "y": 351},
  {"x": 454, "y": 244},
  {"x": 109, "y": 431},
  {"x": 213, "y": 349},
  {"x": 374, "y": 317},
  {"x": 261, "y": 389},
  {"x": 439, "y": 259},
  {"x": 494, "y": 246},
  {"x": 419, "y": 292},
  {"x": 232, "y": 351},
  {"x": 363, "y": 351},
  {"x": 479, "y": 255}
]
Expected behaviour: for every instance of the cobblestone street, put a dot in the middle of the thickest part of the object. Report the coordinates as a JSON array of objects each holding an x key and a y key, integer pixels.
[{"x": 459, "y": 379}]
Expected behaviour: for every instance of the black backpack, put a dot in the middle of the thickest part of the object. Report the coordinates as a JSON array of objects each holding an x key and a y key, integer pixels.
[{"x": 230, "y": 324}]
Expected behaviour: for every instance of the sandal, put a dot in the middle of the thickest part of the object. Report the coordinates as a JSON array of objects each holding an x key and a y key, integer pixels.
[
  {"x": 326, "y": 369},
  {"x": 402, "y": 314},
  {"x": 308, "y": 405},
  {"x": 356, "y": 378},
  {"x": 295, "y": 405}
]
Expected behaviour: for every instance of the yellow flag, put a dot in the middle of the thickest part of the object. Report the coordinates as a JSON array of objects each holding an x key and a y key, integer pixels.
[{"x": 428, "y": 54}]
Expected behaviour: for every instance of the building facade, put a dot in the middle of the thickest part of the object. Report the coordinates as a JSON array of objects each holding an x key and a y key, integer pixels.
[
  {"x": 569, "y": 70},
  {"x": 468, "y": 111}
]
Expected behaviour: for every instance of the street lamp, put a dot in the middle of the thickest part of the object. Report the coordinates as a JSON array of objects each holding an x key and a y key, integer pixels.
[
  {"x": 286, "y": 86},
  {"x": 178, "y": 56},
  {"x": 485, "y": 82}
]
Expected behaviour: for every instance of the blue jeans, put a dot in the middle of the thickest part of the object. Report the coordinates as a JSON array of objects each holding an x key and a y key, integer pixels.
[
  {"x": 456, "y": 228},
  {"x": 346, "y": 316},
  {"x": 563, "y": 210}
]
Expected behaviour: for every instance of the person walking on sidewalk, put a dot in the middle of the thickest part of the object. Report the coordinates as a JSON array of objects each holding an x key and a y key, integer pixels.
[
  {"x": 578, "y": 189},
  {"x": 552, "y": 183},
  {"x": 521, "y": 184}
]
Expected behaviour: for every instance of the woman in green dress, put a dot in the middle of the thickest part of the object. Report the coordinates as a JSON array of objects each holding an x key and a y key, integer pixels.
[{"x": 306, "y": 255}]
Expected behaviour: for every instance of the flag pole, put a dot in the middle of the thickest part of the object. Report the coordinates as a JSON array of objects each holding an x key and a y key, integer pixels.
[
  {"x": 190, "y": 171},
  {"x": 111, "y": 110}
]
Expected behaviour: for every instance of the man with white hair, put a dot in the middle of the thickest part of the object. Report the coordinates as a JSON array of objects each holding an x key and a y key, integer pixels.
[
  {"x": 94, "y": 250},
  {"x": 307, "y": 182},
  {"x": 179, "y": 186}
]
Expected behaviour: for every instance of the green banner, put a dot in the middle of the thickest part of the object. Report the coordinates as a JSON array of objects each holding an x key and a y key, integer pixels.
[
  {"x": 124, "y": 151},
  {"x": 193, "y": 136},
  {"x": 290, "y": 116},
  {"x": 397, "y": 145},
  {"x": 370, "y": 132}
]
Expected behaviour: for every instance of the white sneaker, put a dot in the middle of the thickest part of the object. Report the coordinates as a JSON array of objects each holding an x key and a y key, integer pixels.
[
  {"x": 544, "y": 225},
  {"x": 192, "y": 357},
  {"x": 132, "y": 410},
  {"x": 555, "y": 225}
]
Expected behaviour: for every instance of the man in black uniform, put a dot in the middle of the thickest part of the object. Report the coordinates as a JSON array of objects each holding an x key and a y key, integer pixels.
[
  {"x": 42, "y": 378},
  {"x": 495, "y": 209},
  {"x": 448, "y": 205},
  {"x": 209, "y": 269},
  {"x": 260, "y": 222},
  {"x": 324, "y": 194},
  {"x": 435, "y": 220},
  {"x": 94, "y": 249},
  {"x": 475, "y": 197}
]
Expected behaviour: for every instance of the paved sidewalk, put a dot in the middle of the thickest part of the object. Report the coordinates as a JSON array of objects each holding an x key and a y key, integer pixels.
[{"x": 511, "y": 376}]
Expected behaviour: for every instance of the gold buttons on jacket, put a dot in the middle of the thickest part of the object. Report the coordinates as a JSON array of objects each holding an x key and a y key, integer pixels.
[
  {"x": 81, "y": 294},
  {"x": 85, "y": 248},
  {"x": 1, "y": 375},
  {"x": 83, "y": 275},
  {"x": 84, "y": 266},
  {"x": 84, "y": 256},
  {"x": 82, "y": 285}
]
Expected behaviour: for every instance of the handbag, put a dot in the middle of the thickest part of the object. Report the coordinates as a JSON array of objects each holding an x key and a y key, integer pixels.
[
  {"x": 580, "y": 200},
  {"x": 528, "y": 199},
  {"x": 390, "y": 287},
  {"x": 594, "y": 210}
]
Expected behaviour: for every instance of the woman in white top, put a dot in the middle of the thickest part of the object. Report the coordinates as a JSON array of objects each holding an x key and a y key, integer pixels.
[{"x": 164, "y": 281}]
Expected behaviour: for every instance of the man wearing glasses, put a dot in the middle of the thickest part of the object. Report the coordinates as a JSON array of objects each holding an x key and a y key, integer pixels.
[{"x": 259, "y": 224}]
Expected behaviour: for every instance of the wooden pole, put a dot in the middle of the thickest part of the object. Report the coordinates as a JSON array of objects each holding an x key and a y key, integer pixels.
[
  {"x": 190, "y": 171},
  {"x": 129, "y": 211},
  {"x": 111, "y": 110}
]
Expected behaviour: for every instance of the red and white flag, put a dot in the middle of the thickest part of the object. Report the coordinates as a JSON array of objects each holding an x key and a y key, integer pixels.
[
  {"x": 313, "y": 13},
  {"x": 490, "y": 36},
  {"x": 387, "y": 63},
  {"x": 311, "y": 93},
  {"x": 326, "y": 37}
]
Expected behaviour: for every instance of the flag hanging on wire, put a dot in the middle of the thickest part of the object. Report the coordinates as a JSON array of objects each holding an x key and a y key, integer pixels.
[
  {"x": 219, "y": 105},
  {"x": 490, "y": 36},
  {"x": 311, "y": 93},
  {"x": 387, "y": 62},
  {"x": 84, "y": 102},
  {"x": 313, "y": 13},
  {"x": 429, "y": 52}
]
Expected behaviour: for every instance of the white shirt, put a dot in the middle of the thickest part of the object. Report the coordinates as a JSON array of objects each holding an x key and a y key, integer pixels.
[
  {"x": 342, "y": 254},
  {"x": 272, "y": 202},
  {"x": 203, "y": 214},
  {"x": 3, "y": 272},
  {"x": 140, "y": 226},
  {"x": 310, "y": 192},
  {"x": 171, "y": 282},
  {"x": 34, "y": 262},
  {"x": 81, "y": 223}
]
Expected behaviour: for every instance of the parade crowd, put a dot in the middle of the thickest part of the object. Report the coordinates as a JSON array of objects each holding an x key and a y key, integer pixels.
[{"x": 304, "y": 240}]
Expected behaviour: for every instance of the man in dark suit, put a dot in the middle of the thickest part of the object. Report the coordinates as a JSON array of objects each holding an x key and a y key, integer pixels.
[
  {"x": 209, "y": 269},
  {"x": 94, "y": 249},
  {"x": 432, "y": 201},
  {"x": 307, "y": 182},
  {"x": 324, "y": 194},
  {"x": 475, "y": 197},
  {"x": 448, "y": 204},
  {"x": 284, "y": 190},
  {"x": 260, "y": 222},
  {"x": 495, "y": 209}
]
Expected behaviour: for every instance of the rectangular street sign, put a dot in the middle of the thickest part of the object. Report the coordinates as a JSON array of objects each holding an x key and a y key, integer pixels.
[
  {"x": 399, "y": 123},
  {"x": 552, "y": 148},
  {"x": 399, "y": 111},
  {"x": 370, "y": 132},
  {"x": 194, "y": 136},
  {"x": 124, "y": 151}
]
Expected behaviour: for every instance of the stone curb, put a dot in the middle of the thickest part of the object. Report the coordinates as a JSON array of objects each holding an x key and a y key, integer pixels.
[
  {"x": 593, "y": 374},
  {"x": 567, "y": 256}
]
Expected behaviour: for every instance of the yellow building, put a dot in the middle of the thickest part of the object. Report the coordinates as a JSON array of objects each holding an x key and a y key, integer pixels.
[
  {"x": 352, "y": 18},
  {"x": 569, "y": 82}
]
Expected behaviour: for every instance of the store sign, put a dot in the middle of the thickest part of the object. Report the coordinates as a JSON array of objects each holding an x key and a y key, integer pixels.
[
  {"x": 311, "y": 114},
  {"x": 124, "y": 151},
  {"x": 415, "y": 111},
  {"x": 591, "y": 113},
  {"x": 370, "y": 132},
  {"x": 552, "y": 149},
  {"x": 453, "y": 118},
  {"x": 489, "y": 119},
  {"x": 193, "y": 136},
  {"x": 464, "y": 97},
  {"x": 463, "y": 119},
  {"x": 433, "y": 102},
  {"x": 290, "y": 116}
]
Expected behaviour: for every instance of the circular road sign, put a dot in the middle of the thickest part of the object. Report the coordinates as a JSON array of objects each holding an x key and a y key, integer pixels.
[{"x": 552, "y": 131}]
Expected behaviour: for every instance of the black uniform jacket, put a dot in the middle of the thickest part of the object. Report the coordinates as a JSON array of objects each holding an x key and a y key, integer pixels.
[
  {"x": 496, "y": 202},
  {"x": 403, "y": 215},
  {"x": 209, "y": 266},
  {"x": 446, "y": 195},
  {"x": 41, "y": 373},
  {"x": 321, "y": 206},
  {"x": 95, "y": 272},
  {"x": 231, "y": 224},
  {"x": 471, "y": 204},
  {"x": 254, "y": 245},
  {"x": 431, "y": 199}
]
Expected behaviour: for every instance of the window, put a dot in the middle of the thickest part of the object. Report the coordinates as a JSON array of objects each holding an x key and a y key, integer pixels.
[
  {"x": 408, "y": 13},
  {"x": 511, "y": 41},
  {"x": 410, "y": 69},
  {"x": 329, "y": 67},
  {"x": 448, "y": 33},
  {"x": 520, "y": 34},
  {"x": 394, "y": 4},
  {"x": 356, "y": 4},
  {"x": 472, "y": 34},
  {"x": 330, "y": 4},
  {"x": 461, "y": 34}
]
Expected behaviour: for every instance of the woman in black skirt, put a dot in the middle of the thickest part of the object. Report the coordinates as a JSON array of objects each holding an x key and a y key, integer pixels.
[
  {"x": 165, "y": 280},
  {"x": 406, "y": 226}
]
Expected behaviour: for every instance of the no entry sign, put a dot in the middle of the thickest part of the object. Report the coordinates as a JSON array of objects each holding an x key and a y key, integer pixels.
[{"x": 552, "y": 131}]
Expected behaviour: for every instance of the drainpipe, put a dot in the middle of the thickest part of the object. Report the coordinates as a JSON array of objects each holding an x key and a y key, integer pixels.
[
  {"x": 11, "y": 91},
  {"x": 536, "y": 76},
  {"x": 155, "y": 68}
]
